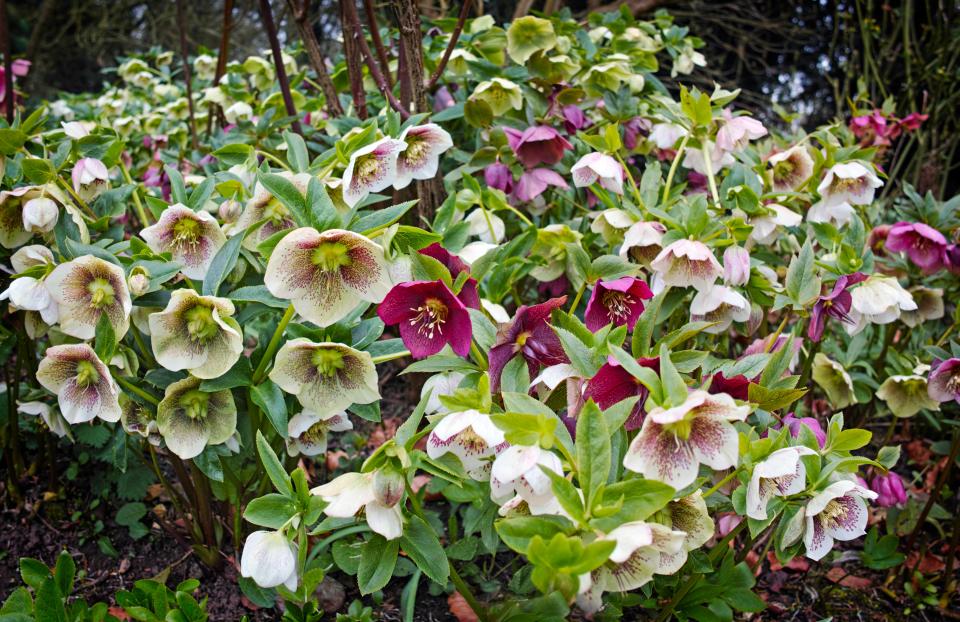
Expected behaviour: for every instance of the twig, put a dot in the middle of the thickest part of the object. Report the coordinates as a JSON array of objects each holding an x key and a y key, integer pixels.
[
  {"x": 301, "y": 17},
  {"x": 267, "y": 16},
  {"x": 371, "y": 16},
  {"x": 438, "y": 73},
  {"x": 354, "y": 63},
  {"x": 352, "y": 21},
  {"x": 221, "y": 60},
  {"x": 182, "y": 27},
  {"x": 7, "y": 60}
]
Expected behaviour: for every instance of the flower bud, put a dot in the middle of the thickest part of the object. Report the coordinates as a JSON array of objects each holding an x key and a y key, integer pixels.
[
  {"x": 40, "y": 215},
  {"x": 139, "y": 281},
  {"x": 230, "y": 210},
  {"x": 889, "y": 489},
  {"x": 90, "y": 178},
  {"x": 388, "y": 486},
  {"x": 736, "y": 266}
]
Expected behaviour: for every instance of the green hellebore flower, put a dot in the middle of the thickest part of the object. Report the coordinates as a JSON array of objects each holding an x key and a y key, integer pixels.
[
  {"x": 834, "y": 380},
  {"x": 190, "y": 419},
  {"x": 906, "y": 395}
]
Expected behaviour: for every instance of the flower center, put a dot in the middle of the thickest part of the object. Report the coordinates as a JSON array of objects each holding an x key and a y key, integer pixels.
[
  {"x": 101, "y": 293},
  {"x": 87, "y": 374},
  {"x": 187, "y": 231},
  {"x": 276, "y": 212},
  {"x": 416, "y": 150},
  {"x": 366, "y": 168},
  {"x": 680, "y": 429},
  {"x": 522, "y": 339},
  {"x": 331, "y": 256},
  {"x": 833, "y": 514},
  {"x": 782, "y": 170},
  {"x": 842, "y": 184},
  {"x": 194, "y": 404},
  {"x": 430, "y": 317},
  {"x": 953, "y": 384},
  {"x": 472, "y": 443},
  {"x": 327, "y": 361},
  {"x": 617, "y": 304},
  {"x": 200, "y": 323}
]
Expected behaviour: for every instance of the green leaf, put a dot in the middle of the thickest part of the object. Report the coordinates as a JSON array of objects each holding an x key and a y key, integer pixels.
[
  {"x": 643, "y": 330},
  {"x": 223, "y": 262},
  {"x": 377, "y": 563},
  {"x": 638, "y": 498},
  {"x": 258, "y": 293},
  {"x": 889, "y": 456},
  {"x": 593, "y": 451},
  {"x": 33, "y": 572},
  {"x": 288, "y": 194},
  {"x": 11, "y": 140},
  {"x": 802, "y": 285},
  {"x": 274, "y": 468},
  {"x": 646, "y": 376},
  {"x": 49, "y": 605},
  {"x": 131, "y": 513},
  {"x": 674, "y": 387},
  {"x": 517, "y": 532},
  {"x": 178, "y": 191},
  {"x": 236, "y": 153},
  {"x": 297, "y": 155},
  {"x": 322, "y": 212},
  {"x": 271, "y": 510},
  {"x": 378, "y": 219},
  {"x": 269, "y": 398},
  {"x": 237, "y": 376},
  {"x": 420, "y": 543},
  {"x": 64, "y": 572},
  {"x": 582, "y": 357},
  {"x": 105, "y": 339},
  {"x": 566, "y": 493},
  {"x": 38, "y": 171},
  {"x": 848, "y": 440}
]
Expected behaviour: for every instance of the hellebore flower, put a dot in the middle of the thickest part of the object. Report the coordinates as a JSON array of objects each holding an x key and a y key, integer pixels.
[
  {"x": 688, "y": 514},
  {"x": 352, "y": 492},
  {"x": 193, "y": 238},
  {"x": 924, "y": 245},
  {"x": 40, "y": 215},
  {"x": 666, "y": 135},
  {"x": 889, "y": 489},
  {"x": 501, "y": 95},
  {"x": 906, "y": 395},
  {"x": 190, "y": 419},
  {"x": 619, "y": 302},
  {"x": 612, "y": 224},
  {"x": 878, "y": 300},
  {"x": 307, "y": 431},
  {"x": 13, "y": 232},
  {"x": 737, "y": 387},
  {"x": 84, "y": 387},
  {"x": 551, "y": 247},
  {"x": 839, "y": 214},
  {"x": 486, "y": 225},
  {"x": 848, "y": 182},
  {"x": 913, "y": 121},
  {"x": 836, "y": 304},
  {"x": 642, "y": 242},
  {"x": 529, "y": 335},
  {"x": 371, "y": 169},
  {"x": 136, "y": 419},
  {"x": 719, "y": 304},
  {"x": 325, "y": 377},
  {"x": 929, "y": 306},
  {"x": 270, "y": 559},
  {"x": 325, "y": 275},
  {"x": 86, "y": 288},
  {"x": 196, "y": 333},
  {"x": 517, "y": 471},
  {"x": 51, "y": 417},
  {"x": 90, "y": 178},
  {"x": 834, "y": 380},
  {"x": 943, "y": 383},
  {"x": 468, "y": 293},
  {"x": 574, "y": 119},
  {"x": 538, "y": 144},
  {"x": 472, "y": 437},
  {"x": 440, "y": 385},
  {"x": 781, "y": 474},
  {"x": 29, "y": 293},
  {"x": 794, "y": 424},
  {"x": 790, "y": 169},
  {"x": 264, "y": 206},
  {"x": 430, "y": 316},
  {"x": 534, "y": 182},
  {"x": 498, "y": 175},
  {"x": 737, "y": 132},
  {"x": 838, "y": 512},
  {"x": 687, "y": 263},
  {"x": 420, "y": 159},
  {"x": 736, "y": 266},
  {"x": 765, "y": 225},
  {"x": 598, "y": 168},
  {"x": 612, "y": 384},
  {"x": 673, "y": 442}
]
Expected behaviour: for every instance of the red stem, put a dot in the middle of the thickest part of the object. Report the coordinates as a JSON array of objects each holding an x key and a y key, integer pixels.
[
  {"x": 181, "y": 25},
  {"x": 350, "y": 13},
  {"x": 438, "y": 73},
  {"x": 267, "y": 16}
]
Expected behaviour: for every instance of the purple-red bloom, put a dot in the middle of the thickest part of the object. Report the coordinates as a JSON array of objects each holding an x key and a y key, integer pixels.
[
  {"x": 943, "y": 384},
  {"x": 922, "y": 243},
  {"x": 468, "y": 293},
  {"x": 889, "y": 489},
  {"x": 794, "y": 424},
  {"x": 430, "y": 316},
  {"x": 613, "y": 384},
  {"x": 737, "y": 387},
  {"x": 836, "y": 304},
  {"x": 531, "y": 336},
  {"x": 498, "y": 175},
  {"x": 533, "y": 183},
  {"x": 619, "y": 302},
  {"x": 539, "y": 144},
  {"x": 574, "y": 119}
]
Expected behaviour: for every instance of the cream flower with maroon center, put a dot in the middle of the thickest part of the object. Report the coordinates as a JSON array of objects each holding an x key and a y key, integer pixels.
[
  {"x": 790, "y": 169},
  {"x": 472, "y": 437},
  {"x": 189, "y": 419},
  {"x": 781, "y": 474},
  {"x": 307, "y": 431},
  {"x": 371, "y": 169},
  {"x": 193, "y": 238},
  {"x": 325, "y": 275},
  {"x": 421, "y": 157},
  {"x": 83, "y": 384},
  {"x": 838, "y": 512},
  {"x": 263, "y": 206},
  {"x": 87, "y": 288},
  {"x": 430, "y": 316},
  {"x": 687, "y": 263},
  {"x": 849, "y": 182}
]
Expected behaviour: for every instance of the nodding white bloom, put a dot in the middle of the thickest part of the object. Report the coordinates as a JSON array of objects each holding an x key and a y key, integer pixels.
[
  {"x": 612, "y": 224},
  {"x": 84, "y": 387},
  {"x": 325, "y": 377},
  {"x": 193, "y": 238},
  {"x": 598, "y": 168},
  {"x": 471, "y": 436},
  {"x": 719, "y": 159},
  {"x": 790, "y": 169},
  {"x": 838, "y": 214},
  {"x": 12, "y": 231},
  {"x": 77, "y": 129},
  {"x": 371, "y": 169},
  {"x": 666, "y": 135},
  {"x": 517, "y": 471},
  {"x": 486, "y": 226},
  {"x": 87, "y": 288},
  {"x": 849, "y": 182},
  {"x": 834, "y": 380},
  {"x": 736, "y": 132},
  {"x": 136, "y": 419},
  {"x": 352, "y": 492},
  {"x": 29, "y": 293},
  {"x": 420, "y": 159},
  {"x": 196, "y": 333},
  {"x": 501, "y": 95},
  {"x": 736, "y": 265},
  {"x": 475, "y": 250},
  {"x": 326, "y": 275},
  {"x": 685, "y": 62},
  {"x": 642, "y": 242},
  {"x": 205, "y": 66},
  {"x": 929, "y": 306},
  {"x": 307, "y": 431},
  {"x": 237, "y": 112},
  {"x": 719, "y": 304},
  {"x": 687, "y": 263},
  {"x": 263, "y": 206},
  {"x": 440, "y": 385},
  {"x": 674, "y": 442},
  {"x": 610, "y": 74},
  {"x": 906, "y": 395},
  {"x": 878, "y": 300},
  {"x": 189, "y": 419},
  {"x": 688, "y": 515},
  {"x": 781, "y": 474},
  {"x": 270, "y": 559},
  {"x": 90, "y": 178},
  {"x": 40, "y": 215},
  {"x": 51, "y": 417},
  {"x": 838, "y": 512},
  {"x": 765, "y": 227}
]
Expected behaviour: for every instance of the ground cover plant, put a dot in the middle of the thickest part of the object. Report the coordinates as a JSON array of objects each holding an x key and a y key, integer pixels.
[{"x": 502, "y": 315}]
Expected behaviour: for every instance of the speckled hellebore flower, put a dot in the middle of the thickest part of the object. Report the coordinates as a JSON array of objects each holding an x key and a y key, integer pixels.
[
  {"x": 190, "y": 419},
  {"x": 687, "y": 514},
  {"x": 86, "y": 288},
  {"x": 674, "y": 442},
  {"x": 929, "y": 306},
  {"x": 430, "y": 316},
  {"x": 326, "y": 377},
  {"x": 619, "y": 302},
  {"x": 736, "y": 266},
  {"x": 834, "y": 380},
  {"x": 906, "y": 395},
  {"x": 517, "y": 471},
  {"x": 878, "y": 300},
  {"x": 642, "y": 242},
  {"x": 90, "y": 178},
  {"x": 781, "y": 474},
  {"x": 765, "y": 226},
  {"x": 790, "y": 169},
  {"x": 51, "y": 416},
  {"x": 849, "y": 182},
  {"x": 500, "y": 94},
  {"x": 270, "y": 559},
  {"x": 371, "y": 169},
  {"x": 325, "y": 275},
  {"x": 139, "y": 420},
  {"x": 838, "y": 512},
  {"x": 420, "y": 159},
  {"x": 551, "y": 248},
  {"x": 12, "y": 203},
  {"x": 613, "y": 383},
  {"x": 350, "y": 493},
  {"x": 196, "y": 333},
  {"x": 84, "y": 387},
  {"x": 472, "y": 437},
  {"x": 687, "y": 263},
  {"x": 719, "y": 304},
  {"x": 530, "y": 336},
  {"x": 835, "y": 305},
  {"x": 536, "y": 145},
  {"x": 307, "y": 431},
  {"x": 598, "y": 168},
  {"x": 264, "y": 206},
  {"x": 924, "y": 245},
  {"x": 943, "y": 383},
  {"x": 193, "y": 238}
]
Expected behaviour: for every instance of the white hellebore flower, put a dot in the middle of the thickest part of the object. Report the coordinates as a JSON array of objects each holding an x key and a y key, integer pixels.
[
  {"x": 84, "y": 387},
  {"x": 87, "y": 288},
  {"x": 849, "y": 182},
  {"x": 642, "y": 242},
  {"x": 307, "y": 431},
  {"x": 612, "y": 224},
  {"x": 270, "y": 559},
  {"x": 878, "y": 300},
  {"x": 438, "y": 385},
  {"x": 40, "y": 215},
  {"x": 486, "y": 225},
  {"x": 420, "y": 159},
  {"x": 719, "y": 304},
  {"x": 196, "y": 333},
  {"x": 839, "y": 214},
  {"x": 351, "y": 492},
  {"x": 90, "y": 178},
  {"x": 687, "y": 263},
  {"x": 51, "y": 417},
  {"x": 790, "y": 169},
  {"x": 781, "y": 474},
  {"x": 190, "y": 419},
  {"x": 517, "y": 471},
  {"x": 471, "y": 436},
  {"x": 500, "y": 94},
  {"x": 765, "y": 226},
  {"x": 598, "y": 168},
  {"x": 239, "y": 111},
  {"x": 193, "y": 238},
  {"x": 371, "y": 169},
  {"x": 29, "y": 293},
  {"x": 838, "y": 512}
]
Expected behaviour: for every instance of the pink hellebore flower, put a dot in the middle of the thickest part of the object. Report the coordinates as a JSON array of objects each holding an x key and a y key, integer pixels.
[
  {"x": 736, "y": 266},
  {"x": 913, "y": 121},
  {"x": 943, "y": 384},
  {"x": 794, "y": 424},
  {"x": 598, "y": 168},
  {"x": 889, "y": 489},
  {"x": 371, "y": 169},
  {"x": 838, "y": 512},
  {"x": 719, "y": 304},
  {"x": 687, "y": 263},
  {"x": 836, "y": 304},
  {"x": 612, "y": 384},
  {"x": 538, "y": 144},
  {"x": 20, "y": 68},
  {"x": 533, "y": 183},
  {"x": 90, "y": 178},
  {"x": 420, "y": 159},
  {"x": 619, "y": 302},
  {"x": 531, "y": 336},
  {"x": 922, "y": 243},
  {"x": 633, "y": 130},
  {"x": 498, "y": 175},
  {"x": 736, "y": 132},
  {"x": 430, "y": 316},
  {"x": 574, "y": 119}
]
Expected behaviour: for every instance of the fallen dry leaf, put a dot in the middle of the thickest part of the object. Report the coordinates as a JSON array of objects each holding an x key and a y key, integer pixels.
[
  {"x": 118, "y": 613},
  {"x": 839, "y": 575},
  {"x": 460, "y": 609}
]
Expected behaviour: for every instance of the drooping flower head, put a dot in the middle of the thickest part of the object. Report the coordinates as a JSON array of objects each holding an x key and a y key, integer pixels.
[
  {"x": 835, "y": 305},
  {"x": 924, "y": 245},
  {"x": 189, "y": 419},
  {"x": 790, "y": 169},
  {"x": 196, "y": 333},
  {"x": 929, "y": 306},
  {"x": 325, "y": 275},
  {"x": 30, "y": 293},
  {"x": 535, "y": 182},
  {"x": 420, "y": 159},
  {"x": 325, "y": 377},
  {"x": 794, "y": 424},
  {"x": 468, "y": 293},
  {"x": 430, "y": 316},
  {"x": 878, "y": 300},
  {"x": 499, "y": 176},
  {"x": 472, "y": 437},
  {"x": 517, "y": 471},
  {"x": 613, "y": 383},
  {"x": 736, "y": 132},
  {"x": 687, "y": 263},
  {"x": 500, "y": 94},
  {"x": 538, "y": 144},
  {"x": 51, "y": 416},
  {"x": 736, "y": 266},
  {"x": 530, "y": 336},
  {"x": 307, "y": 431},
  {"x": 40, "y": 215},
  {"x": 766, "y": 225},
  {"x": 834, "y": 380},
  {"x": 90, "y": 178},
  {"x": 12, "y": 202},
  {"x": 838, "y": 512},
  {"x": 137, "y": 419},
  {"x": 849, "y": 182},
  {"x": 943, "y": 384},
  {"x": 906, "y": 395},
  {"x": 598, "y": 168},
  {"x": 618, "y": 302},
  {"x": 86, "y": 288},
  {"x": 719, "y": 304},
  {"x": 264, "y": 206},
  {"x": 890, "y": 490},
  {"x": 371, "y": 169},
  {"x": 350, "y": 493},
  {"x": 193, "y": 238},
  {"x": 642, "y": 242},
  {"x": 270, "y": 559},
  {"x": 84, "y": 387},
  {"x": 781, "y": 474}
]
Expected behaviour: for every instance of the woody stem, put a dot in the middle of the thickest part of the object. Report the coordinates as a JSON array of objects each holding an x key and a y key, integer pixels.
[{"x": 272, "y": 346}]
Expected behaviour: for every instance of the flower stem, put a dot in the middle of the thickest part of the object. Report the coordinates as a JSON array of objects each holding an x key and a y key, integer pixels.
[
  {"x": 144, "y": 350},
  {"x": 137, "y": 391},
  {"x": 633, "y": 183},
  {"x": 708, "y": 163},
  {"x": 721, "y": 483},
  {"x": 383, "y": 358},
  {"x": 520, "y": 215},
  {"x": 76, "y": 197},
  {"x": 576, "y": 300},
  {"x": 673, "y": 168},
  {"x": 273, "y": 158},
  {"x": 273, "y": 345},
  {"x": 137, "y": 204},
  {"x": 478, "y": 355}
]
